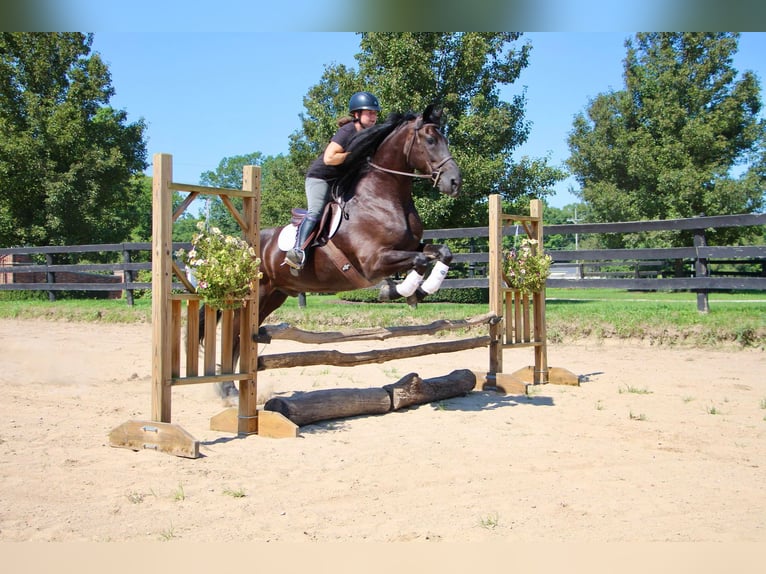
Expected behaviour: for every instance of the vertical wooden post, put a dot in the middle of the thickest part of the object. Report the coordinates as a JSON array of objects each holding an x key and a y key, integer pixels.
[
  {"x": 248, "y": 388},
  {"x": 50, "y": 277},
  {"x": 538, "y": 302},
  {"x": 496, "y": 298},
  {"x": 701, "y": 270},
  {"x": 162, "y": 277},
  {"x": 127, "y": 276}
]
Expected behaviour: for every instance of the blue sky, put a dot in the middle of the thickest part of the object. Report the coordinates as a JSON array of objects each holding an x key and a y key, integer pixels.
[{"x": 210, "y": 95}]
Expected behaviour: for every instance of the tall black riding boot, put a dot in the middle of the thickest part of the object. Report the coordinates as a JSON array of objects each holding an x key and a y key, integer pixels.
[{"x": 296, "y": 257}]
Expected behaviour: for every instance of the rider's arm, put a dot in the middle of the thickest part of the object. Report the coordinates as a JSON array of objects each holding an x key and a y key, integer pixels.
[{"x": 334, "y": 154}]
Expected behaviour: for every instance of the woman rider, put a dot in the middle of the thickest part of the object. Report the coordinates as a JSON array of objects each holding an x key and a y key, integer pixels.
[{"x": 363, "y": 108}]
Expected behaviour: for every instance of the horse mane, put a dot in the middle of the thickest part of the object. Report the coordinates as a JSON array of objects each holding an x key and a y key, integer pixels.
[{"x": 363, "y": 145}]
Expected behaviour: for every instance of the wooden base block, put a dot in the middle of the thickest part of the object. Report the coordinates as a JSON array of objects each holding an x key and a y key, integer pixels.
[
  {"x": 163, "y": 437},
  {"x": 501, "y": 383},
  {"x": 226, "y": 421},
  {"x": 559, "y": 376},
  {"x": 556, "y": 376},
  {"x": 266, "y": 424},
  {"x": 275, "y": 425}
]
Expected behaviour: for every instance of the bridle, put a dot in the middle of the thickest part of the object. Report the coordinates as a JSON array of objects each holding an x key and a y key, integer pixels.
[{"x": 436, "y": 172}]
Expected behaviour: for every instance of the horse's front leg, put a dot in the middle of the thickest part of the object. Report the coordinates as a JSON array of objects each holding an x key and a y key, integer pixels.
[{"x": 414, "y": 288}]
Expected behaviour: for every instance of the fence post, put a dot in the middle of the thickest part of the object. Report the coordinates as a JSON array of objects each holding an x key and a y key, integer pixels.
[
  {"x": 127, "y": 275},
  {"x": 50, "y": 277},
  {"x": 701, "y": 270}
]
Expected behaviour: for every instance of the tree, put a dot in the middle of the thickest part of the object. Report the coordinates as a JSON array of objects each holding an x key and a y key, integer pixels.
[
  {"x": 461, "y": 72},
  {"x": 281, "y": 189},
  {"x": 67, "y": 159},
  {"x": 670, "y": 145}
]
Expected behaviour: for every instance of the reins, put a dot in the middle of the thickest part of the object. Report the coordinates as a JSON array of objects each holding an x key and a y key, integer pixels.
[{"x": 436, "y": 172}]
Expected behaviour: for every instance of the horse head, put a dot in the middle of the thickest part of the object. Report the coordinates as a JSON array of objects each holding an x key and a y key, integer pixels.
[{"x": 427, "y": 151}]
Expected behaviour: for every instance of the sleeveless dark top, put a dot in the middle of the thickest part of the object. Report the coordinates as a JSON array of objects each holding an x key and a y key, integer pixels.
[{"x": 319, "y": 169}]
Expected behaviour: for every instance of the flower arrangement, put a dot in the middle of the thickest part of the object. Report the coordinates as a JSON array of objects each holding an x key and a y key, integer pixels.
[
  {"x": 223, "y": 267},
  {"x": 525, "y": 269}
]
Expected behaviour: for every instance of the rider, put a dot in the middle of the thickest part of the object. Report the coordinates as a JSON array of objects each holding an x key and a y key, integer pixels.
[{"x": 363, "y": 108}]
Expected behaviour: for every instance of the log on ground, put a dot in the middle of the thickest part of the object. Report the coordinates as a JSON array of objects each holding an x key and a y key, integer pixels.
[
  {"x": 412, "y": 390},
  {"x": 326, "y": 404}
]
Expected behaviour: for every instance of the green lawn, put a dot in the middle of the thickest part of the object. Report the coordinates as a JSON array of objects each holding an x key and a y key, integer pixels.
[{"x": 737, "y": 319}]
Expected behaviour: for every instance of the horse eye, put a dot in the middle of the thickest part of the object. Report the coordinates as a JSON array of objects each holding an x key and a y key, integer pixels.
[{"x": 430, "y": 140}]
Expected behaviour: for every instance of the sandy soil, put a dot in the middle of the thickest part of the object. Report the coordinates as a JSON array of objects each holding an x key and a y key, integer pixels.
[{"x": 657, "y": 444}]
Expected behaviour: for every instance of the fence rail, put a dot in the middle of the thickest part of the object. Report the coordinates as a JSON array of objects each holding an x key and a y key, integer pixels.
[{"x": 698, "y": 267}]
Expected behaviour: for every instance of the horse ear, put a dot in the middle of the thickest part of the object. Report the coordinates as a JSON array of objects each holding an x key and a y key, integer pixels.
[{"x": 432, "y": 115}]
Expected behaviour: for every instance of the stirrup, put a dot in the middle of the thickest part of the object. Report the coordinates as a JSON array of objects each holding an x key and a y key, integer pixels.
[{"x": 295, "y": 258}]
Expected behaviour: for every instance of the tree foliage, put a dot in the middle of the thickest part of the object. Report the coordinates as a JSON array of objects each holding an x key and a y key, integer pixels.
[
  {"x": 67, "y": 159},
  {"x": 281, "y": 188},
  {"x": 682, "y": 139},
  {"x": 462, "y": 73}
]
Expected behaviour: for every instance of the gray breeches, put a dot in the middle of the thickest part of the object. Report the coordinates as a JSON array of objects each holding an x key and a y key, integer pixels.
[{"x": 317, "y": 195}]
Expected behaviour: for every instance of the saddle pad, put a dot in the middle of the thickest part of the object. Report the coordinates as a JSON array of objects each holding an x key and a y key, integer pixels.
[{"x": 286, "y": 239}]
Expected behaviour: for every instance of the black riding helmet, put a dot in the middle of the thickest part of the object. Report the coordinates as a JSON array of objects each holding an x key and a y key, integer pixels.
[{"x": 363, "y": 101}]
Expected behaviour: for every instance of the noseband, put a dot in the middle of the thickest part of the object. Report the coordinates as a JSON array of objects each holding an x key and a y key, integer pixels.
[{"x": 436, "y": 172}]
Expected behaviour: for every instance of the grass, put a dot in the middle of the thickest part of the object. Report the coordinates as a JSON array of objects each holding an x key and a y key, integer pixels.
[
  {"x": 235, "y": 493},
  {"x": 490, "y": 521},
  {"x": 168, "y": 534},
  {"x": 179, "y": 494},
  {"x": 634, "y": 390},
  {"x": 664, "y": 318}
]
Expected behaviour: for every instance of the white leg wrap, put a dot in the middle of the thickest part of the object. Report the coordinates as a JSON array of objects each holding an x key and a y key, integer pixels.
[
  {"x": 437, "y": 275},
  {"x": 410, "y": 283}
]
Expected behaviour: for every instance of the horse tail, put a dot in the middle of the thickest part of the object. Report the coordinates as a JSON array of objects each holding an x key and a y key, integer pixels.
[{"x": 201, "y": 333}]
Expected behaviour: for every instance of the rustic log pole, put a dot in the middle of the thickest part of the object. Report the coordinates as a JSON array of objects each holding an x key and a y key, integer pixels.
[
  {"x": 412, "y": 390},
  {"x": 285, "y": 331},
  {"x": 326, "y": 404},
  {"x": 336, "y": 358}
]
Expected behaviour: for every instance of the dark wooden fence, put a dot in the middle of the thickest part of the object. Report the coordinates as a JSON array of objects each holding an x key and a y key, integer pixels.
[{"x": 698, "y": 267}]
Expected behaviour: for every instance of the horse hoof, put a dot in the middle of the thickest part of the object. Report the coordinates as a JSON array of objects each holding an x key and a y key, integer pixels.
[
  {"x": 416, "y": 298},
  {"x": 388, "y": 291}
]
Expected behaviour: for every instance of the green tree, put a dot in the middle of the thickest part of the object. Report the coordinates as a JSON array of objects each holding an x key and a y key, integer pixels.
[
  {"x": 682, "y": 139},
  {"x": 461, "y": 72},
  {"x": 67, "y": 159},
  {"x": 281, "y": 189}
]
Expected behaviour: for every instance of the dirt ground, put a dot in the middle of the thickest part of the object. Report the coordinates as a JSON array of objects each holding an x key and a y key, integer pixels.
[{"x": 656, "y": 444}]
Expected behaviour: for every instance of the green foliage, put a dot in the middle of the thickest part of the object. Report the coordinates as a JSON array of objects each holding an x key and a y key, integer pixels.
[
  {"x": 281, "y": 188},
  {"x": 224, "y": 267},
  {"x": 461, "y": 72},
  {"x": 67, "y": 159},
  {"x": 466, "y": 296},
  {"x": 666, "y": 146},
  {"x": 525, "y": 268}
]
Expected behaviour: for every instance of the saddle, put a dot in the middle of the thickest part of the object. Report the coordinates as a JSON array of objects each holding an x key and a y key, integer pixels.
[{"x": 328, "y": 223}]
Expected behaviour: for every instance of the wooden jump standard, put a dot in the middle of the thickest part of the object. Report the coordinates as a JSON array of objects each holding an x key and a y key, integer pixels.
[
  {"x": 167, "y": 321},
  {"x": 282, "y": 416}
]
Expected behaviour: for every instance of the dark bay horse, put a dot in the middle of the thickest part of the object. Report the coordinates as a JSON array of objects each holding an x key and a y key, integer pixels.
[{"x": 380, "y": 231}]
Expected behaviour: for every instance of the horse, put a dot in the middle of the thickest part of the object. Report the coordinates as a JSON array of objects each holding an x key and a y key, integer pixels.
[{"x": 379, "y": 232}]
